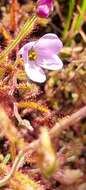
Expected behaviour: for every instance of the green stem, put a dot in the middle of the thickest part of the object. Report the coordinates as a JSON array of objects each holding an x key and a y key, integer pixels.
[
  {"x": 28, "y": 26},
  {"x": 69, "y": 17},
  {"x": 6, "y": 178},
  {"x": 79, "y": 19}
]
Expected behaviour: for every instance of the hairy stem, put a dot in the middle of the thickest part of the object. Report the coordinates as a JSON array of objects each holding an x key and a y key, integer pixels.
[
  {"x": 67, "y": 121},
  {"x": 28, "y": 26},
  {"x": 6, "y": 179}
]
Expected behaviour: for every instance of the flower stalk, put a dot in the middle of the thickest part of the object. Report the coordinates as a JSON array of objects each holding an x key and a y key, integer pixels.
[
  {"x": 27, "y": 28},
  {"x": 79, "y": 19},
  {"x": 69, "y": 17}
]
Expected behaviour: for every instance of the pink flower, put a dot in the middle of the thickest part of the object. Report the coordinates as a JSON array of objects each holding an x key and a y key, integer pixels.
[
  {"x": 41, "y": 54},
  {"x": 44, "y": 8}
]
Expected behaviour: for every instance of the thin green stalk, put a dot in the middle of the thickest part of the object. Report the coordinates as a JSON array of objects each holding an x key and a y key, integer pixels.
[
  {"x": 79, "y": 19},
  {"x": 28, "y": 26},
  {"x": 6, "y": 178},
  {"x": 69, "y": 17}
]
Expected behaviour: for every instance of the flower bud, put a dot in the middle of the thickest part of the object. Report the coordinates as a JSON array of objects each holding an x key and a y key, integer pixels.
[
  {"x": 43, "y": 11},
  {"x": 44, "y": 7}
]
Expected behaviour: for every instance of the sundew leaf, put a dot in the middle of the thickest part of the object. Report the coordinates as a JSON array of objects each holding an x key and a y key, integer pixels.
[
  {"x": 6, "y": 159},
  {"x": 33, "y": 105},
  {"x": 26, "y": 182},
  {"x": 2, "y": 72},
  {"x": 47, "y": 155}
]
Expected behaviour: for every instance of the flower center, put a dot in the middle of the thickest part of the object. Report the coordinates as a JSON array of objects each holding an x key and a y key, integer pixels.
[{"x": 32, "y": 55}]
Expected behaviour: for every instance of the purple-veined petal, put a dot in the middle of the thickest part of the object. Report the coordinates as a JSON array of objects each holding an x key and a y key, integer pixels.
[
  {"x": 26, "y": 47},
  {"x": 34, "y": 72},
  {"x": 50, "y": 36},
  {"x": 49, "y": 42},
  {"x": 46, "y": 49},
  {"x": 52, "y": 63},
  {"x": 24, "y": 50}
]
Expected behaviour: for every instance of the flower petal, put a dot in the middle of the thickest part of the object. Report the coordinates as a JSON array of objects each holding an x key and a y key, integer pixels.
[
  {"x": 52, "y": 63},
  {"x": 34, "y": 72},
  {"x": 24, "y": 50},
  {"x": 50, "y": 36},
  {"x": 49, "y": 42}
]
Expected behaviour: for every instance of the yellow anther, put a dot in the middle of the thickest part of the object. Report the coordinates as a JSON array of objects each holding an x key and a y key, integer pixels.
[{"x": 32, "y": 55}]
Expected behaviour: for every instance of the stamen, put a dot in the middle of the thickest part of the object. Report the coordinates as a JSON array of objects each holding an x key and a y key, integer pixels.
[{"x": 32, "y": 55}]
